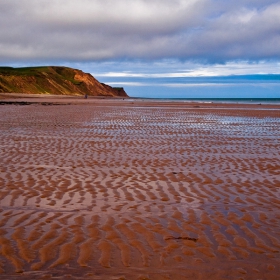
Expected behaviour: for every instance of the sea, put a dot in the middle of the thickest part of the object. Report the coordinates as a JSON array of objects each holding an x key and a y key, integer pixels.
[{"x": 272, "y": 101}]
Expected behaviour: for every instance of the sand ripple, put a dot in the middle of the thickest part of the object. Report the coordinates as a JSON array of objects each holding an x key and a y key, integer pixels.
[{"x": 137, "y": 192}]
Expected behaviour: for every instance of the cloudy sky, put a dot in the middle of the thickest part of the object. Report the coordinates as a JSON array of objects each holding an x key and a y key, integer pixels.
[{"x": 154, "y": 48}]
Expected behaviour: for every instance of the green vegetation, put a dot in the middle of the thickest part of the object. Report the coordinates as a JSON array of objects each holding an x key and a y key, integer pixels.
[
  {"x": 23, "y": 71},
  {"x": 53, "y": 80}
]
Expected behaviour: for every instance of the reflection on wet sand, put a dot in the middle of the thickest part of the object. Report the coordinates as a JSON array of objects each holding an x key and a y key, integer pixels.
[{"x": 101, "y": 191}]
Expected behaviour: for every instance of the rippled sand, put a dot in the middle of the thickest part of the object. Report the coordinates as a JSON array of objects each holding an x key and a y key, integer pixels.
[{"x": 135, "y": 190}]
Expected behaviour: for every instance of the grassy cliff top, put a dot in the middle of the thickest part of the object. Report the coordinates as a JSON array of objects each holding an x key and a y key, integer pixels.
[{"x": 53, "y": 80}]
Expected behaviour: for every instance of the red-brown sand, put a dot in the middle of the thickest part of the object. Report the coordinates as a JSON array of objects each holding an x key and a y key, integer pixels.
[{"x": 134, "y": 189}]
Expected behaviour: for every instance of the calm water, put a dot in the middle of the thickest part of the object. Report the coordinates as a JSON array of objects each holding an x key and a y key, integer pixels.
[{"x": 222, "y": 100}]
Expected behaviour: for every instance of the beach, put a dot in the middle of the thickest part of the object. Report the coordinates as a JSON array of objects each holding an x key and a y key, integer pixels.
[{"x": 135, "y": 189}]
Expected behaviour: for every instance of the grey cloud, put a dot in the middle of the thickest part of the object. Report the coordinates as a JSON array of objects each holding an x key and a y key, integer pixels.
[{"x": 91, "y": 30}]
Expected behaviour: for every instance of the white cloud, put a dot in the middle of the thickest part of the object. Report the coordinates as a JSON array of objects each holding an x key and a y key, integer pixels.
[
  {"x": 209, "y": 85},
  {"x": 210, "y": 31},
  {"x": 171, "y": 69}
]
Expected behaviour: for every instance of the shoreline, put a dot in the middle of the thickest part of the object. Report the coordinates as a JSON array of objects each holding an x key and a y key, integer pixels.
[{"x": 13, "y": 98}]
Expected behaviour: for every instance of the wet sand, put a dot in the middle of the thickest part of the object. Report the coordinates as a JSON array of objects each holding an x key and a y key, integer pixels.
[{"x": 132, "y": 189}]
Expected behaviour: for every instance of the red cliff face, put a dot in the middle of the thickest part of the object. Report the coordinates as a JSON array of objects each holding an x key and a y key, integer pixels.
[
  {"x": 119, "y": 91},
  {"x": 54, "y": 80}
]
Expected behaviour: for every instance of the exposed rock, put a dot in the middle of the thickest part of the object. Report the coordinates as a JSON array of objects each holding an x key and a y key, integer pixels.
[{"x": 54, "y": 80}]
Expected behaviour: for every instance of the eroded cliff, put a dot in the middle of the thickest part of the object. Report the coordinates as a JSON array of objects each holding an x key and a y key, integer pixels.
[{"x": 54, "y": 80}]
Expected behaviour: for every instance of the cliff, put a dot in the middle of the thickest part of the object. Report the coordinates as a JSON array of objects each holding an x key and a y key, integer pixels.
[{"x": 54, "y": 80}]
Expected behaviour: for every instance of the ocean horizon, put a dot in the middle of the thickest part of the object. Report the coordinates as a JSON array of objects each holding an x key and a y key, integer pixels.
[{"x": 217, "y": 100}]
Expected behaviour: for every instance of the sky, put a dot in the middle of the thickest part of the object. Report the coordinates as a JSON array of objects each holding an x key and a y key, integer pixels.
[{"x": 153, "y": 48}]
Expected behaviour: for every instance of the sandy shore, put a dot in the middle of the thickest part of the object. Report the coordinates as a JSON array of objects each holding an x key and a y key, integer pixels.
[{"x": 131, "y": 189}]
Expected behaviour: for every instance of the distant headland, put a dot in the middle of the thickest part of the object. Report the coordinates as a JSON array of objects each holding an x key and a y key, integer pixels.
[{"x": 55, "y": 80}]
